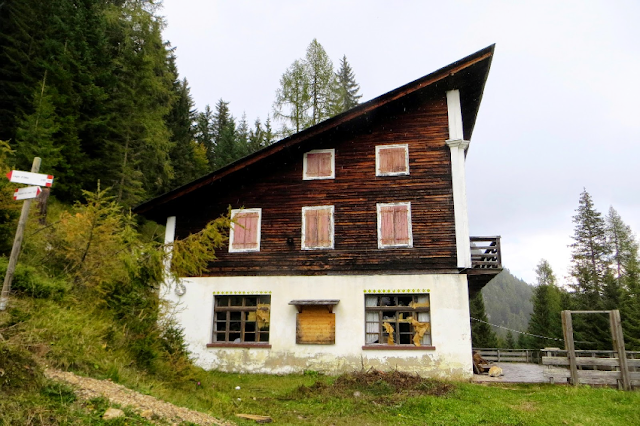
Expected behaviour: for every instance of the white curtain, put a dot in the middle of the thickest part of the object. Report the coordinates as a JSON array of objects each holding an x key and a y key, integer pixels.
[
  {"x": 372, "y": 320},
  {"x": 425, "y": 317}
]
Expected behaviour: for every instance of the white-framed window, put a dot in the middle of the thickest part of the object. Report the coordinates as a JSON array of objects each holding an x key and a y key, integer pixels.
[
  {"x": 319, "y": 164},
  {"x": 397, "y": 319},
  {"x": 317, "y": 227},
  {"x": 244, "y": 235},
  {"x": 241, "y": 319},
  {"x": 394, "y": 225},
  {"x": 392, "y": 160}
]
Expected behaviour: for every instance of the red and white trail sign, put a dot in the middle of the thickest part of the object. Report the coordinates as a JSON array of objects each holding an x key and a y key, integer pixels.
[
  {"x": 29, "y": 178},
  {"x": 26, "y": 193}
]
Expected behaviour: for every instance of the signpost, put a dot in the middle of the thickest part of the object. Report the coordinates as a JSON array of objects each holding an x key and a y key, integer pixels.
[{"x": 26, "y": 194}]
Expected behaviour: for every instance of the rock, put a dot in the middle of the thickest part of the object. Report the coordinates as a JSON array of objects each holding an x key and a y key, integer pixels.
[
  {"x": 357, "y": 394},
  {"x": 147, "y": 414},
  {"x": 495, "y": 371},
  {"x": 112, "y": 413}
]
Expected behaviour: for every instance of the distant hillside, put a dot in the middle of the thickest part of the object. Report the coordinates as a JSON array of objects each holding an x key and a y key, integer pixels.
[{"x": 507, "y": 301}]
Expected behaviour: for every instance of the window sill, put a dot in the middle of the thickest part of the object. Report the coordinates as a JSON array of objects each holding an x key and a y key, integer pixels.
[
  {"x": 246, "y": 345},
  {"x": 397, "y": 348}
]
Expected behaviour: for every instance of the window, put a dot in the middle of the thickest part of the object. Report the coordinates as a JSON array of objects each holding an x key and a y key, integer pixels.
[
  {"x": 397, "y": 319},
  {"x": 394, "y": 225},
  {"x": 392, "y": 160},
  {"x": 317, "y": 227},
  {"x": 319, "y": 164},
  {"x": 241, "y": 319},
  {"x": 245, "y": 231}
]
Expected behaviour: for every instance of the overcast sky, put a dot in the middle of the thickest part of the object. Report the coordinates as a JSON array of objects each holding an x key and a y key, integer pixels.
[{"x": 560, "y": 110}]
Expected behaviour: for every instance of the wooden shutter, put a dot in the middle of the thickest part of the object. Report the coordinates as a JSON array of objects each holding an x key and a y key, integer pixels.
[
  {"x": 394, "y": 225},
  {"x": 318, "y": 224},
  {"x": 319, "y": 164},
  {"x": 392, "y": 160},
  {"x": 245, "y": 231},
  {"x": 311, "y": 228}
]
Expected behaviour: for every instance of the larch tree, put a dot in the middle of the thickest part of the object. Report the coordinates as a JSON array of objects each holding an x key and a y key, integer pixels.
[
  {"x": 322, "y": 82},
  {"x": 347, "y": 88},
  {"x": 293, "y": 100}
]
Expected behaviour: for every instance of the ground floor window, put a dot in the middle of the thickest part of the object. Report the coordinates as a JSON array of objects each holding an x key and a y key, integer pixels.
[
  {"x": 241, "y": 319},
  {"x": 397, "y": 319}
]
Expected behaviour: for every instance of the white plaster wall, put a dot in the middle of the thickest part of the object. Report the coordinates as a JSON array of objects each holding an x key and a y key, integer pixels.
[{"x": 451, "y": 334}]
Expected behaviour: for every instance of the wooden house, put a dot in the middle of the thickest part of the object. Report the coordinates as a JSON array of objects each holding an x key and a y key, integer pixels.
[{"x": 351, "y": 243}]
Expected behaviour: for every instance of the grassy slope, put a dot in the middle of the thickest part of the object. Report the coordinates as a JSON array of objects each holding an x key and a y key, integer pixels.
[{"x": 67, "y": 334}]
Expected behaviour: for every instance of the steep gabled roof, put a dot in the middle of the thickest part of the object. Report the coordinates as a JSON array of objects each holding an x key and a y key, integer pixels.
[{"x": 468, "y": 75}]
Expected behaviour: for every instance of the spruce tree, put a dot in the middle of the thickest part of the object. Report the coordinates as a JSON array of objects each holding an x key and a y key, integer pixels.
[
  {"x": 205, "y": 135},
  {"x": 545, "y": 319},
  {"x": 224, "y": 132},
  {"x": 590, "y": 270},
  {"x": 347, "y": 87},
  {"x": 482, "y": 336}
]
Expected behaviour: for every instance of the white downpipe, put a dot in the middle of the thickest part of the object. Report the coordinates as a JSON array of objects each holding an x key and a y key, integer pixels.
[
  {"x": 169, "y": 237},
  {"x": 458, "y": 146}
]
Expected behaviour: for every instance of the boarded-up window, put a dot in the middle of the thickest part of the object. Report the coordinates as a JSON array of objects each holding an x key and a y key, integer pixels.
[
  {"x": 394, "y": 225},
  {"x": 241, "y": 319},
  {"x": 319, "y": 164},
  {"x": 315, "y": 325},
  {"x": 392, "y": 160},
  {"x": 317, "y": 227},
  {"x": 245, "y": 230}
]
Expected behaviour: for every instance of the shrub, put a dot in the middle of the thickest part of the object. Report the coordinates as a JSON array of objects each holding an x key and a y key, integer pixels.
[{"x": 27, "y": 280}]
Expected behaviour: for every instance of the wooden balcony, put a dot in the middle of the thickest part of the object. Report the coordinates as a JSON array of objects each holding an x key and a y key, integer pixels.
[{"x": 486, "y": 262}]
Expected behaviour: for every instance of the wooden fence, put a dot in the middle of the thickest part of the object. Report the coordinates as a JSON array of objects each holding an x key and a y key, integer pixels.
[
  {"x": 592, "y": 367},
  {"x": 509, "y": 355}
]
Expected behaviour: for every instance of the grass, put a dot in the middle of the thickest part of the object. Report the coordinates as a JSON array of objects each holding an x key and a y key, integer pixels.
[{"x": 66, "y": 334}]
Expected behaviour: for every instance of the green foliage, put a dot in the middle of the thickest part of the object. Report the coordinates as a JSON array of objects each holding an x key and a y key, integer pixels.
[
  {"x": 347, "y": 87},
  {"x": 30, "y": 281},
  {"x": 482, "y": 336},
  {"x": 547, "y": 305},
  {"x": 9, "y": 209},
  {"x": 18, "y": 369},
  {"x": 507, "y": 300}
]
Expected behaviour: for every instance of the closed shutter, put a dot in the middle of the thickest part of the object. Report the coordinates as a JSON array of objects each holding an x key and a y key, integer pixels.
[
  {"x": 319, "y": 165},
  {"x": 394, "y": 228},
  {"x": 318, "y": 223},
  {"x": 392, "y": 160},
  {"x": 246, "y": 231}
]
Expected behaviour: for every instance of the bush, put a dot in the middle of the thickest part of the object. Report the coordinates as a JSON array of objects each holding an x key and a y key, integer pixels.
[{"x": 27, "y": 280}]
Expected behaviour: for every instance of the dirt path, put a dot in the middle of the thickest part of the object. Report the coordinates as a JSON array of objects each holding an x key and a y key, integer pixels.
[
  {"x": 147, "y": 406},
  {"x": 515, "y": 372}
]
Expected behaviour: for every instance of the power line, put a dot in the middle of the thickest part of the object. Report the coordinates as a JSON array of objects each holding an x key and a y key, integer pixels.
[{"x": 529, "y": 334}]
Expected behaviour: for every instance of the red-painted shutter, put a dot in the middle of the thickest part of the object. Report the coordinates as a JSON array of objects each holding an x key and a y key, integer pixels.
[
  {"x": 393, "y": 160},
  {"x": 401, "y": 225},
  {"x": 324, "y": 228},
  {"x": 245, "y": 230},
  {"x": 311, "y": 228},
  {"x": 313, "y": 165},
  {"x": 386, "y": 225},
  {"x": 319, "y": 164}
]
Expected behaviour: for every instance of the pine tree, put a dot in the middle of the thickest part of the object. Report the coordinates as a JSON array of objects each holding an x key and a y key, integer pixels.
[
  {"x": 545, "y": 319},
  {"x": 590, "y": 270},
  {"x": 347, "y": 87},
  {"x": 482, "y": 336}
]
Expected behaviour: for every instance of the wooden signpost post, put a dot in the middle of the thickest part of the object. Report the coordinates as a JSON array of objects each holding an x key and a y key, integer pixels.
[{"x": 26, "y": 194}]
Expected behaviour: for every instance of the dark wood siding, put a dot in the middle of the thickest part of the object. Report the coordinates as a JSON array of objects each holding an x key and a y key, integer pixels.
[{"x": 275, "y": 184}]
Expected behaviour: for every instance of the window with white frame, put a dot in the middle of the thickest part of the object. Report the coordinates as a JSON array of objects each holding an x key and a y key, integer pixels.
[
  {"x": 319, "y": 164},
  {"x": 397, "y": 319},
  {"x": 317, "y": 227},
  {"x": 394, "y": 225},
  {"x": 244, "y": 235},
  {"x": 392, "y": 160},
  {"x": 241, "y": 319}
]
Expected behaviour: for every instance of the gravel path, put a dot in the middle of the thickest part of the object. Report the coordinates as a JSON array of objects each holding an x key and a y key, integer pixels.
[
  {"x": 147, "y": 406},
  {"x": 515, "y": 372}
]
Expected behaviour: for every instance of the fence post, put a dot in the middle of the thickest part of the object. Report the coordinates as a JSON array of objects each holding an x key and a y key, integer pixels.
[
  {"x": 618, "y": 346},
  {"x": 567, "y": 329}
]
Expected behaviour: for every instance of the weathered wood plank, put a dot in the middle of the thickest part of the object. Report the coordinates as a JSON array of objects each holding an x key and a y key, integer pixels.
[
  {"x": 588, "y": 361},
  {"x": 315, "y": 325}
]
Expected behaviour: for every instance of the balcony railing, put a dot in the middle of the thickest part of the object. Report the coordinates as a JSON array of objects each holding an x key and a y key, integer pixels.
[{"x": 485, "y": 253}]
